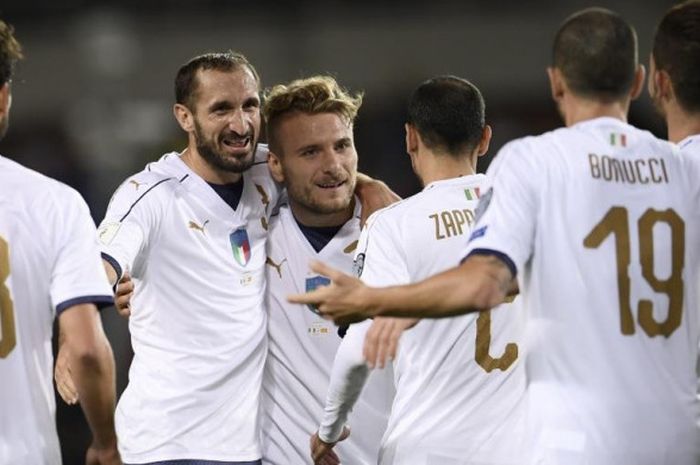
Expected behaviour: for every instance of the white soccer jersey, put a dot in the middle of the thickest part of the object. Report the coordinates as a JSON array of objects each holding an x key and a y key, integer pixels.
[
  {"x": 600, "y": 220},
  {"x": 49, "y": 261},
  {"x": 302, "y": 349},
  {"x": 691, "y": 145},
  {"x": 197, "y": 323},
  {"x": 459, "y": 381}
]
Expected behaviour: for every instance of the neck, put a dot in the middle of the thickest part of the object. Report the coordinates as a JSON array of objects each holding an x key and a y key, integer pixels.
[
  {"x": 204, "y": 170},
  {"x": 312, "y": 218},
  {"x": 681, "y": 124},
  {"x": 577, "y": 109},
  {"x": 438, "y": 167}
]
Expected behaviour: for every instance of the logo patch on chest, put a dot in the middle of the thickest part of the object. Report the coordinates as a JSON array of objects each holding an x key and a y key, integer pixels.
[
  {"x": 314, "y": 282},
  {"x": 240, "y": 246}
]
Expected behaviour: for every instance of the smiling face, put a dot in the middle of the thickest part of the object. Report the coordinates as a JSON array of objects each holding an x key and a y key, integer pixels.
[
  {"x": 318, "y": 166},
  {"x": 226, "y": 117}
]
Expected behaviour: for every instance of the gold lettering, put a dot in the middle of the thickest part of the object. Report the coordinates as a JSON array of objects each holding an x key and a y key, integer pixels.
[
  {"x": 469, "y": 215},
  {"x": 656, "y": 179},
  {"x": 438, "y": 236},
  {"x": 459, "y": 220},
  {"x": 448, "y": 221},
  {"x": 594, "y": 163},
  {"x": 642, "y": 179}
]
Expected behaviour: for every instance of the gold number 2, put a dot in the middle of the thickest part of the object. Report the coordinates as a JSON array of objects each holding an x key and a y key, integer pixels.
[
  {"x": 616, "y": 221},
  {"x": 483, "y": 344},
  {"x": 7, "y": 313}
]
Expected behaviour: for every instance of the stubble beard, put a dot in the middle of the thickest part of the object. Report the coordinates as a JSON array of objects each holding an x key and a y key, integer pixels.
[{"x": 219, "y": 162}]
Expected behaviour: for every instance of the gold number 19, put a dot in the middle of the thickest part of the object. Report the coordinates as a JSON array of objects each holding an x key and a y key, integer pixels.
[{"x": 616, "y": 222}]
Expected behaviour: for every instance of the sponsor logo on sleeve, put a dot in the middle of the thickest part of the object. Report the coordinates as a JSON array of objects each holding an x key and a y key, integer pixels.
[
  {"x": 107, "y": 232},
  {"x": 477, "y": 233}
]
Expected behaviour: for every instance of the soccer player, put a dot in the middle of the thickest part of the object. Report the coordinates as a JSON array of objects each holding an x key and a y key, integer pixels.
[
  {"x": 191, "y": 230},
  {"x": 459, "y": 383},
  {"x": 312, "y": 154},
  {"x": 598, "y": 222},
  {"x": 49, "y": 267},
  {"x": 674, "y": 74}
]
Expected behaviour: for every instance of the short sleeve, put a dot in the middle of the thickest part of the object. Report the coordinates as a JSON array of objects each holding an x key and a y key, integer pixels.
[
  {"x": 130, "y": 219},
  {"x": 507, "y": 213},
  {"x": 77, "y": 275},
  {"x": 379, "y": 260}
]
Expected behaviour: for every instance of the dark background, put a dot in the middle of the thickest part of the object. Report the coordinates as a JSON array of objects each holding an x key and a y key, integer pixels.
[{"x": 93, "y": 97}]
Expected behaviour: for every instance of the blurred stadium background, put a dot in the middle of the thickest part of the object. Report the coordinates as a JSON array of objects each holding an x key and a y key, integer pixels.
[{"x": 93, "y": 97}]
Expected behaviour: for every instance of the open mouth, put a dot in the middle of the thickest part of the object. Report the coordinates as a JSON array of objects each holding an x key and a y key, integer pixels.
[
  {"x": 331, "y": 185},
  {"x": 236, "y": 142}
]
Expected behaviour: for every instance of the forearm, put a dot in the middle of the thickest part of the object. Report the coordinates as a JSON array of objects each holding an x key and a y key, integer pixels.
[
  {"x": 111, "y": 272},
  {"x": 95, "y": 383},
  {"x": 92, "y": 367},
  {"x": 478, "y": 284},
  {"x": 348, "y": 377}
]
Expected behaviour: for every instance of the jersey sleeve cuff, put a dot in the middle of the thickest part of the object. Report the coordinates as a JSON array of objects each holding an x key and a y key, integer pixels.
[
  {"x": 495, "y": 253},
  {"x": 115, "y": 264},
  {"x": 100, "y": 301}
]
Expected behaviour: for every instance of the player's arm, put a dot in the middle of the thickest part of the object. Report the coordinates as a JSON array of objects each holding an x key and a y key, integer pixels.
[
  {"x": 348, "y": 377},
  {"x": 92, "y": 366},
  {"x": 373, "y": 194},
  {"x": 478, "y": 284}
]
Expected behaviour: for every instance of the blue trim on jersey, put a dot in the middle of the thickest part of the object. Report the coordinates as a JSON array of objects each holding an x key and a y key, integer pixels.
[
  {"x": 142, "y": 196},
  {"x": 117, "y": 268},
  {"x": 198, "y": 462},
  {"x": 495, "y": 253},
  {"x": 100, "y": 301},
  {"x": 319, "y": 236}
]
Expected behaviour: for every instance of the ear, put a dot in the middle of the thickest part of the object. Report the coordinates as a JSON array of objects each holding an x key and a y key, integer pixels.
[
  {"x": 638, "y": 83},
  {"x": 275, "y": 165},
  {"x": 5, "y": 100},
  {"x": 485, "y": 141},
  {"x": 184, "y": 117},
  {"x": 411, "y": 139},
  {"x": 556, "y": 83}
]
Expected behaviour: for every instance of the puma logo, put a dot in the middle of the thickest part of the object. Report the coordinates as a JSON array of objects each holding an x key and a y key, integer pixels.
[
  {"x": 135, "y": 183},
  {"x": 196, "y": 227},
  {"x": 277, "y": 266},
  {"x": 264, "y": 198},
  {"x": 351, "y": 247}
]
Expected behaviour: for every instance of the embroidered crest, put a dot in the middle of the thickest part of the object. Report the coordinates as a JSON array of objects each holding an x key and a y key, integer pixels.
[{"x": 240, "y": 246}]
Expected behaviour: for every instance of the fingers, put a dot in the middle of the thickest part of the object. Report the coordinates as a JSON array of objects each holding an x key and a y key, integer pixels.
[
  {"x": 66, "y": 389},
  {"x": 325, "y": 270},
  {"x": 125, "y": 291},
  {"x": 64, "y": 380}
]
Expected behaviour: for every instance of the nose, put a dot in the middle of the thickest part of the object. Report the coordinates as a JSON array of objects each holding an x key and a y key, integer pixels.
[
  {"x": 331, "y": 161},
  {"x": 237, "y": 122}
]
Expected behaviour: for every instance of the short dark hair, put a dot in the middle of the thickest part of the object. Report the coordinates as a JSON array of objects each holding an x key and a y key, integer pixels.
[
  {"x": 10, "y": 52},
  {"x": 186, "y": 78},
  {"x": 676, "y": 50},
  {"x": 596, "y": 51},
  {"x": 449, "y": 114}
]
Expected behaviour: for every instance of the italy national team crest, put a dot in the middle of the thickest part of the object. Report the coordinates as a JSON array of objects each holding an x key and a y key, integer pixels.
[
  {"x": 240, "y": 246},
  {"x": 313, "y": 283}
]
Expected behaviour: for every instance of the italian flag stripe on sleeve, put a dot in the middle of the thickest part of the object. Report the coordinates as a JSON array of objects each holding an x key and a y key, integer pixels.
[{"x": 472, "y": 194}]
